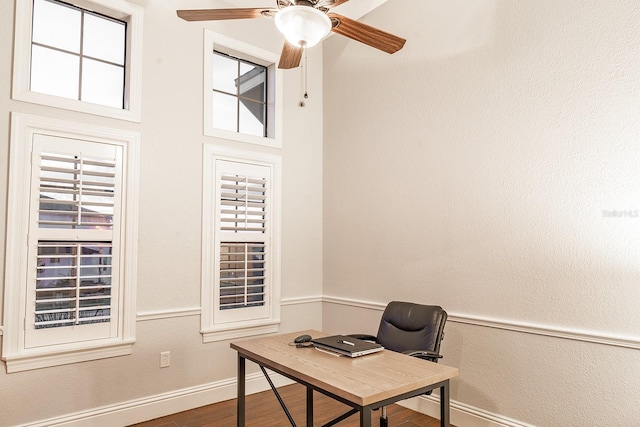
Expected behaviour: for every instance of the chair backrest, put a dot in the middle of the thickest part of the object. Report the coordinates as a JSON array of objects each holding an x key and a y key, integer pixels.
[{"x": 407, "y": 326}]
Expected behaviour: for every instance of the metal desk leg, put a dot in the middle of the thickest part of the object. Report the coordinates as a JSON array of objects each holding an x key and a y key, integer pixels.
[
  {"x": 365, "y": 417},
  {"x": 444, "y": 404},
  {"x": 241, "y": 390},
  {"x": 309, "y": 407}
]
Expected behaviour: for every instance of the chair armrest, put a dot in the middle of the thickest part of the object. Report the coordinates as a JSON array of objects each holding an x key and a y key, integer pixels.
[
  {"x": 364, "y": 337},
  {"x": 427, "y": 355}
]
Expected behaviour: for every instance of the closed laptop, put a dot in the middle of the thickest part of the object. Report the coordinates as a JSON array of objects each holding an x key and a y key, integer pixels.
[{"x": 346, "y": 346}]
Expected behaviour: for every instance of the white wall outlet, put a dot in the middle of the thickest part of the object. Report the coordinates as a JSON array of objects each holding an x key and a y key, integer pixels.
[{"x": 165, "y": 359}]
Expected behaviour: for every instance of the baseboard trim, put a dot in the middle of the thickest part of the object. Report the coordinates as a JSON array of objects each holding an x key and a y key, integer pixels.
[
  {"x": 510, "y": 325},
  {"x": 160, "y": 405},
  {"x": 461, "y": 414}
]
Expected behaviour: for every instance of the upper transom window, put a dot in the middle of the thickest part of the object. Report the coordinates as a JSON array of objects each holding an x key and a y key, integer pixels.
[
  {"x": 239, "y": 95},
  {"x": 80, "y": 55},
  {"x": 242, "y": 92},
  {"x": 77, "y": 54}
]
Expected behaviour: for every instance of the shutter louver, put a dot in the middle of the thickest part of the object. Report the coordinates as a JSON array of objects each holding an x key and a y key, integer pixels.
[
  {"x": 76, "y": 192},
  {"x": 242, "y": 204}
]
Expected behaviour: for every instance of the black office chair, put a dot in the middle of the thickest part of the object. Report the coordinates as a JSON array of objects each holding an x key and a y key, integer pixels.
[{"x": 413, "y": 329}]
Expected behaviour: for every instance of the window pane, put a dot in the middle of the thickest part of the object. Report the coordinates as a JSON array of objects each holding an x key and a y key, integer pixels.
[
  {"x": 102, "y": 83},
  {"x": 225, "y": 114},
  {"x": 252, "y": 81},
  {"x": 56, "y": 25},
  {"x": 242, "y": 275},
  {"x": 73, "y": 284},
  {"x": 225, "y": 73},
  {"x": 104, "y": 39},
  {"x": 247, "y": 82},
  {"x": 252, "y": 118},
  {"x": 54, "y": 72}
]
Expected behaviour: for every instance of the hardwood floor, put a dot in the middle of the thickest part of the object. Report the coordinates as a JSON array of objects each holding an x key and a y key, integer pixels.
[{"x": 263, "y": 410}]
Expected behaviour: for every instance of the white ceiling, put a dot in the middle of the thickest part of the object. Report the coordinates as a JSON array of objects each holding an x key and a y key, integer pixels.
[{"x": 354, "y": 9}]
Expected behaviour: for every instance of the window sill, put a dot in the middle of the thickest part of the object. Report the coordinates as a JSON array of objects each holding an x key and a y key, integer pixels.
[
  {"x": 239, "y": 330},
  {"x": 132, "y": 115},
  {"x": 242, "y": 137},
  {"x": 64, "y": 356}
]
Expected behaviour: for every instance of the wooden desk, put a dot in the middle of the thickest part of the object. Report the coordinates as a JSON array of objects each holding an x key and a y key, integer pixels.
[{"x": 365, "y": 383}]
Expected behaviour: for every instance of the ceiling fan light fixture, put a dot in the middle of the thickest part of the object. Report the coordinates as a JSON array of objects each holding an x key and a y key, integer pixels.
[{"x": 303, "y": 26}]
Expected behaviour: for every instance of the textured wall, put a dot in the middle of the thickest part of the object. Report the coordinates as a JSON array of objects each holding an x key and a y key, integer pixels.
[
  {"x": 170, "y": 221},
  {"x": 491, "y": 166}
]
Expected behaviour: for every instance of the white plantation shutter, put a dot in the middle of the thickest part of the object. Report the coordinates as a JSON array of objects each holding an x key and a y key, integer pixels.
[
  {"x": 243, "y": 209},
  {"x": 242, "y": 250},
  {"x": 73, "y": 239},
  {"x": 241, "y": 243}
]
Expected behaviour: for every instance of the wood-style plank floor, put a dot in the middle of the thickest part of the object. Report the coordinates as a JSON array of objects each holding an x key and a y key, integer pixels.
[{"x": 263, "y": 410}]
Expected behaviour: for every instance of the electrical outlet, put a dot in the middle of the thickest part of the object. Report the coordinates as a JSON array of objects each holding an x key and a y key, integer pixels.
[{"x": 165, "y": 359}]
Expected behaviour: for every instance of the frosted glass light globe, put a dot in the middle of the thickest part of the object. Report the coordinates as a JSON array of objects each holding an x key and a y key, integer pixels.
[{"x": 303, "y": 26}]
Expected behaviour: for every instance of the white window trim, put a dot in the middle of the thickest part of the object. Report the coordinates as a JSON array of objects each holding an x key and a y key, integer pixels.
[
  {"x": 17, "y": 358},
  {"x": 214, "y": 41},
  {"x": 131, "y": 13},
  {"x": 212, "y": 331}
]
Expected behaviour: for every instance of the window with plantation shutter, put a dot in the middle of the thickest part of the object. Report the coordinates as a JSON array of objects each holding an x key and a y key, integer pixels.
[
  {"x": 240, "y": 281},
  {"x": 71, "y": 264},
  {"x": 71, "y": 242}
]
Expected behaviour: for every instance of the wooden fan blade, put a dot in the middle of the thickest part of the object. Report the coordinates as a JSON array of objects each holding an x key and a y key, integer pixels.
[
  {"x": 290, "y": 56},
  {"x": 221, "y": 14},
  {"x": 366, "y": 34},
  {"x": 338, "y": 3}
]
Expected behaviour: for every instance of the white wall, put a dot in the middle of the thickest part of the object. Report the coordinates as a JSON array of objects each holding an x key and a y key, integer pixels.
[
  {"x": 478, "y": 169},
  {"x": 170, "y": 230}
]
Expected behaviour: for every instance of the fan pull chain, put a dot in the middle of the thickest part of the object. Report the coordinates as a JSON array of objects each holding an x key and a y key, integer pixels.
[{"x": 303, "y": 78}]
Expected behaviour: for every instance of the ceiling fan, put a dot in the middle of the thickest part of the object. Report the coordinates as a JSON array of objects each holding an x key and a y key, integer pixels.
[{"x": 304, "y": 23}]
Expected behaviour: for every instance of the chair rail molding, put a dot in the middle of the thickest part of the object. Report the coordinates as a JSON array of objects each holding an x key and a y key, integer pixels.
[
  {"x": 143, "y": 316},
  {"x": 510, "y": 325}
]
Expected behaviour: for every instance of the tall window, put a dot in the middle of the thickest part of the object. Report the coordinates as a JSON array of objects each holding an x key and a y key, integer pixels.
[
  {"x": 239, "y": 95},
  {"x": 77, "y": 54},
  {"x": 241, "y": 273},
  {"x": 70, "y": 266},
  {"x": 82, "y": 55}
]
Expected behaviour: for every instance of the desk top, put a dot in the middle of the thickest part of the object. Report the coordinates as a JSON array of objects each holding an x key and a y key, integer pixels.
[{"x": 362, "y": 380}]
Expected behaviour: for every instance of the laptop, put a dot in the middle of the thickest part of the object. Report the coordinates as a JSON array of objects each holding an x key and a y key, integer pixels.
[{"x": 347, "y": 346}]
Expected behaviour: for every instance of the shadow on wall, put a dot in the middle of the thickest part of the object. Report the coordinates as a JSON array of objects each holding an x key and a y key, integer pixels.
[
  {"x": 432, "y": 32},
  {"x": 452, "y": 349}
]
